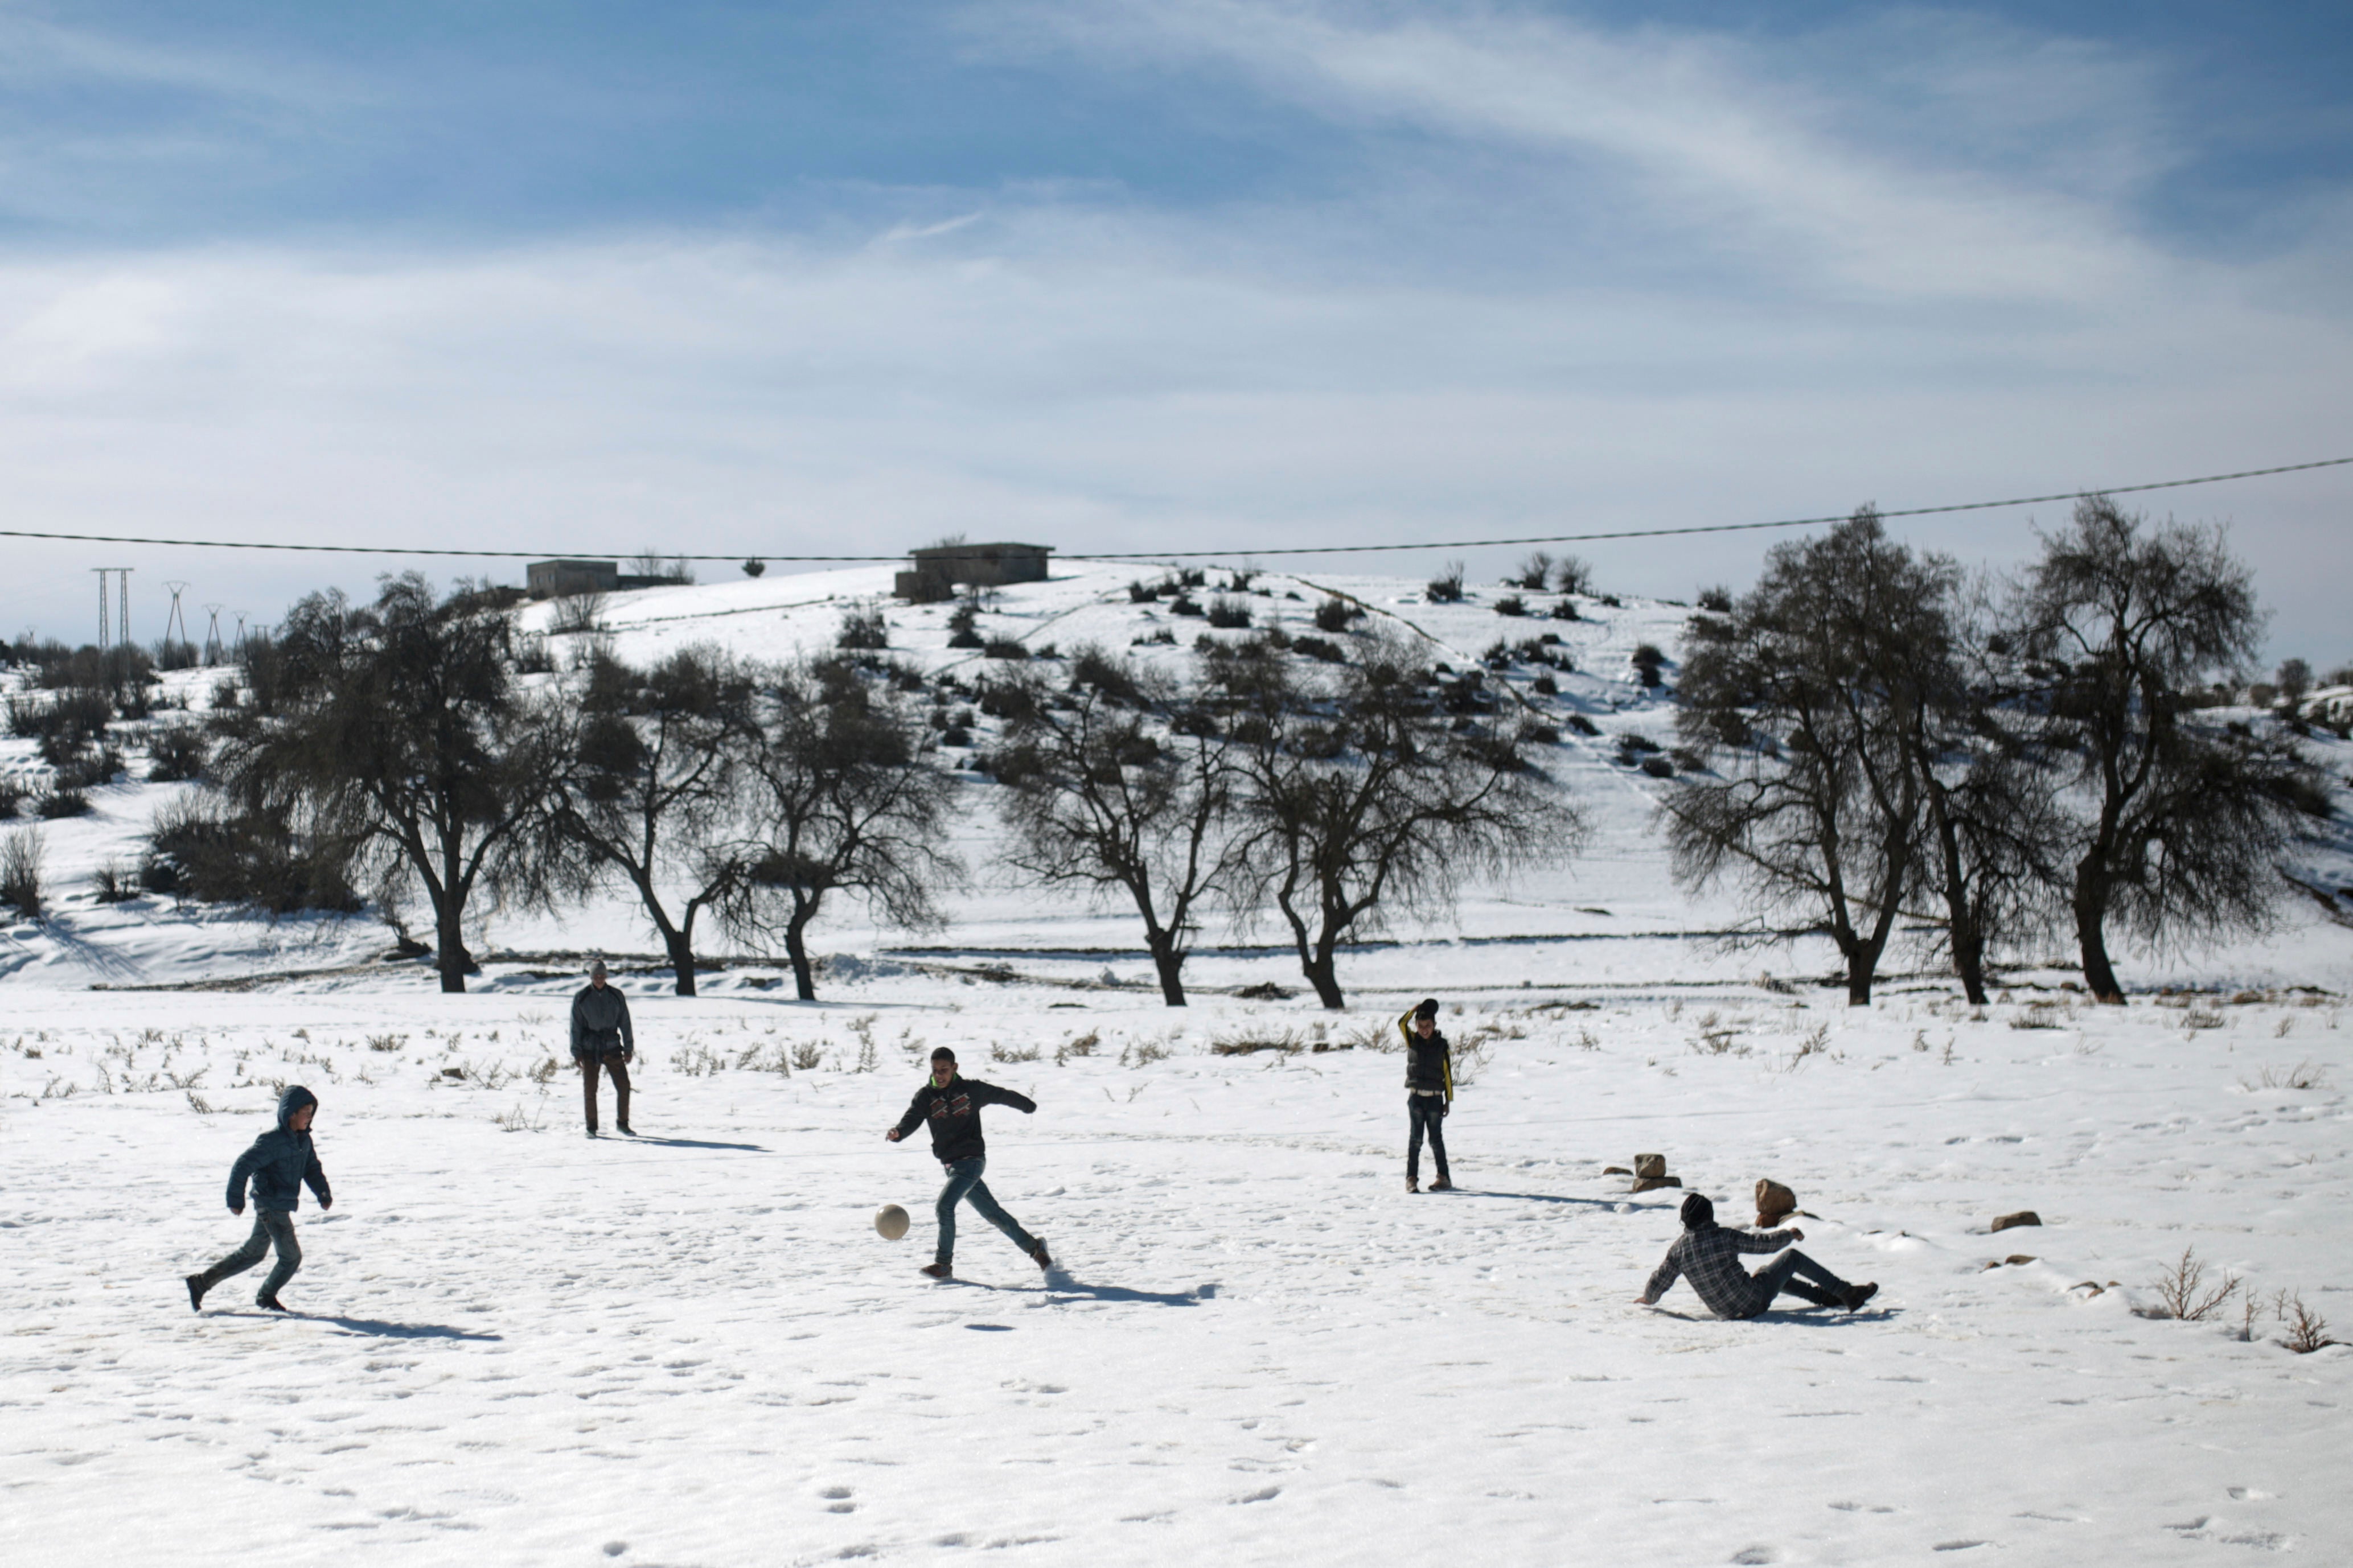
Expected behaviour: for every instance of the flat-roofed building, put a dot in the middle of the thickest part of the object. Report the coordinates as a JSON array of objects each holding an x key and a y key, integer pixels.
[{"x": 941, "y": 569}]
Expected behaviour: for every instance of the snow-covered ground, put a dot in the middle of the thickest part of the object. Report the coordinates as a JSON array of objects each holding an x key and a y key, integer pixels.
[{"x": 516, "y": 1345}]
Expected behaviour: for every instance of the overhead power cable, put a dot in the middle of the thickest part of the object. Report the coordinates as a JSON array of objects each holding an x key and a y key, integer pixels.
[{"x": 1253, "y": 551}]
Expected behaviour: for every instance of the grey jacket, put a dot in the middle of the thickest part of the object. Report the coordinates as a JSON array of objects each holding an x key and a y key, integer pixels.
[
  {"x": 280, "y": 1163},
  {"x": 600, "y": 1022}
]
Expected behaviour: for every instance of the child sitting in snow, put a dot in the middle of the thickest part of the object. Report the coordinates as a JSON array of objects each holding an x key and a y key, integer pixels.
[
  {"x": 278, "y": 1164},
  {"x": 1711, "y": 1255}
]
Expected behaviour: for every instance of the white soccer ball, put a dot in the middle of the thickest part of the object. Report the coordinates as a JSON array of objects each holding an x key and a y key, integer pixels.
[{"x": 891, "y": 1220}]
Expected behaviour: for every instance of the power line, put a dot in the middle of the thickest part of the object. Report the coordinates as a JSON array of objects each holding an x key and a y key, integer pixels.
[{"x": 1205, "y": 554}]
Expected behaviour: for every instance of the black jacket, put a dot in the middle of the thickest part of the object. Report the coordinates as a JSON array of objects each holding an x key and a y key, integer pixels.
[
  {"x": 955, "y": 1115},
  {"x": 1429, "y": 1064},
  {"x": 600, "y": 1022},
  {"x": 280, "y": 1163}
]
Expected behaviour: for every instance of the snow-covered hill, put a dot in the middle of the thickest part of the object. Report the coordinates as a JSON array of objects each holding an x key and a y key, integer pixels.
[{"x": 1611, "y": 919}]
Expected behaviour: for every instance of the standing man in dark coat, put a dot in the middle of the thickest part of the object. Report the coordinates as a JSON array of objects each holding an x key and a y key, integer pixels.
[
  {"x": 1429, "y": 1092},
  {"x": 951, "y": 1105},
  {"x": 603, "y": 1040},
  {"x": 279, "y": 1166}
]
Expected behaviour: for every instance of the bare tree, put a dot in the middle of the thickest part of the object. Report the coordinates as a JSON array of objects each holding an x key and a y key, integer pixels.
[
  {"x": 649, "y": 793},
  {"x": 1809, "y": 699},
  {"x": 399, "y": 730},
  {"x": 1125, "y": 787},
  {"x": 844, "y": 804},
  {"x": 2294, "y": 680},
  {"x": 1359, "y": 801},
  {"x": 2177, "y": 823}
]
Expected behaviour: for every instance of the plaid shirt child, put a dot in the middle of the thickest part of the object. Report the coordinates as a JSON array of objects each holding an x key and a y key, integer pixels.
[{"x": 1712, "y": 1258}]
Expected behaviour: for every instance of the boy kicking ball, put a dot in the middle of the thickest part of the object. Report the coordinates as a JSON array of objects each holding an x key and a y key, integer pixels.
[
  {"x": 951, "y": 1105},
  {"x": 279, "y": 1164}
]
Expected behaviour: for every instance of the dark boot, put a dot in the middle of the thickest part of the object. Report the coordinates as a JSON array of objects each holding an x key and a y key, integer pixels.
[
  {"x": 1038, "y": 1255},
  {"x": 197, "y": 1286},
  {"x": 1857, "y": 1295},
  {"x": 1443, "y": 1184},
  {"x": 1413, "y": 1184},
  {"x": 937, "y": 1270},
  {"x": 271, "y": 1302}
]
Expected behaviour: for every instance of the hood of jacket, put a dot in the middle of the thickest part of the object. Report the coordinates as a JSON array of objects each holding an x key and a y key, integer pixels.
[{"x": 295, "y": 1098}]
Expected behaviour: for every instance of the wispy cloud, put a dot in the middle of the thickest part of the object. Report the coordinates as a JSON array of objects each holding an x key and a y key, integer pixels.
[{"x": 1724, "y": 145}]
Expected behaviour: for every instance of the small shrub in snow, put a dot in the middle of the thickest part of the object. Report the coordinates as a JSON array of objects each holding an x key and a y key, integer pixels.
[
  {"x": 1320, "y": 650},
  {"x": 2307, "y": 1330},
  {"x": 1646, "y": 662},
  {"x": 572, "y": 614},
  {"x": 60, "y": 803},
  {"x": 2182, "y": 1292},
  {"x": 1572, "y": 574},
  {"x": 1184, "y": 605},
  {"x": 21, "y": 855},
  {"x": 1511, "y": 605},
  {"x": 114, "y": 883},
  {"x": 1004, "y": 647},
  {"x": 2303, "y": 1076},
  {"x": 1566, "y": 610},
  {"x": 1231, "y": 614},
  {"x": 1545, "y": 686},
  {"x": 863, "y": 629},
  {"x": 177, "y": 755},
  {"x": 1333, "y": 614},
  {"x": 1535, "y": 574},
  {"x": 1446, "y": 588}
]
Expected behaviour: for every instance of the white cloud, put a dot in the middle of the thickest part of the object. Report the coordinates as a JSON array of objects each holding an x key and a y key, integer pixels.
[
  {"x": 1888, "y": 321},
  {"x": 1767, "y": 151}
]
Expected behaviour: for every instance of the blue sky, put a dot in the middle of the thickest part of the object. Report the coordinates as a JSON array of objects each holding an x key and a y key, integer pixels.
[{"x": 1115, "y": 275}]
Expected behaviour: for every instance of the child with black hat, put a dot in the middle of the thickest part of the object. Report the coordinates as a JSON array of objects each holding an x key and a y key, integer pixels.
[{"x": 1429, "y": 1092}]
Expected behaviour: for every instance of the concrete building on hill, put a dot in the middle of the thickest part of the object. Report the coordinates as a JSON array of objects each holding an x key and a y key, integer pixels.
[{"x": 940, "y": 570}]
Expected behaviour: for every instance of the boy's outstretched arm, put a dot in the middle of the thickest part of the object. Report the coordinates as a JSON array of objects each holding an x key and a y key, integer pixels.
[
  {"x": 315, "y": 1177},
  {"x": 1663, "y": 1280},
  {"x": 909, "y": 1123}
]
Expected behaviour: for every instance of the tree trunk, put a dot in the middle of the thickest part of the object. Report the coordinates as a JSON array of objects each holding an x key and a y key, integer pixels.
[
  {"x": 681, "y": 959},
  {"x": 1968, "y": 959},
  {"x": 1962, "y": 933},
  {"x": 1859, "y": 969},
  {"x": 804, "y": 978},
  {"x": 2091, "y": 914},
  {"x": 1322, "y": 973},
  {"x": 450, "y": 955},
  {"x": 1168, "y": 959}
]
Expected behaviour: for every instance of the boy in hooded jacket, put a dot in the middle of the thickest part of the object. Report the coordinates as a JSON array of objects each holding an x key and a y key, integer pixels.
[{"x": 280, "y": 1162}]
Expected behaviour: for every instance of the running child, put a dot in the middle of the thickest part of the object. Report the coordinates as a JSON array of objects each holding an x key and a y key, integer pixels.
[{"x": 279, "y": 1166}]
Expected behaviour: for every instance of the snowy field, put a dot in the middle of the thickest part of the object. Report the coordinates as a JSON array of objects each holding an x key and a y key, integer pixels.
[
  {"x": 516, "y": 1345},
  {"x": 513, "y": 1345}
]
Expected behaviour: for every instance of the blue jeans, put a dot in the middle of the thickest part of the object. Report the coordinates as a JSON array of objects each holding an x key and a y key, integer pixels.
[
  {"x": 964, "y": 1185},
  {"x": 1801, "y": 1277},
  {"x": 1425, "y": 1113}
]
